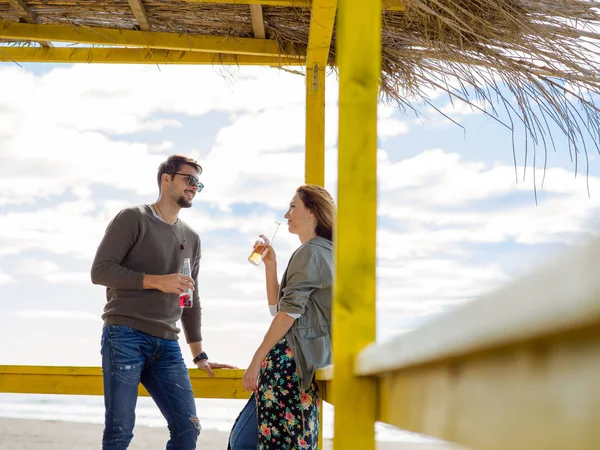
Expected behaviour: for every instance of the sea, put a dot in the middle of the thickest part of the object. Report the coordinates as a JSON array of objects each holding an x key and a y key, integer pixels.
[{"x": 214, "y": 414}]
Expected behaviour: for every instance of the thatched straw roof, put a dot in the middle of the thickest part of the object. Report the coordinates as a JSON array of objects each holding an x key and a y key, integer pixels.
[{"x": 545, "y": 51}]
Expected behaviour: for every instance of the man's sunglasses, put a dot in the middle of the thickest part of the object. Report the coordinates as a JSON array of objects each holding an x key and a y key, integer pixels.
[{"x": 192, "y": 180}]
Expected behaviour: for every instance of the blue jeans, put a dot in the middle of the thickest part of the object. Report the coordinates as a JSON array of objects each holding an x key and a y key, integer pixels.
[
  {"x": 130, "y": 357},
  {"x": 244, "y": 435}
]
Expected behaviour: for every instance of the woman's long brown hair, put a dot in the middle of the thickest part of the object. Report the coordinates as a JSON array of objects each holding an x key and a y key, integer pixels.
[{"x": 321, "y": 204}]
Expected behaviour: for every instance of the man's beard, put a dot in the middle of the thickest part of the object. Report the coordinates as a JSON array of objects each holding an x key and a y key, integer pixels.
[{"x": 184, "y": 202}]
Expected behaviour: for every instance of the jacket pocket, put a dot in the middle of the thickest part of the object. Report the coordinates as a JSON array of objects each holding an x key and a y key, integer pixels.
[{"x": 317, "y": 351}]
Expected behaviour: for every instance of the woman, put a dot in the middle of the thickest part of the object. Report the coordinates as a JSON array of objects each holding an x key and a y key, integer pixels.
[{"x": 283, "y": 413}]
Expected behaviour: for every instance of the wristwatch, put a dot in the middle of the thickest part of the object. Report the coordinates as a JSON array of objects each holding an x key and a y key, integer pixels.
[{"x": 200, "y": 357}]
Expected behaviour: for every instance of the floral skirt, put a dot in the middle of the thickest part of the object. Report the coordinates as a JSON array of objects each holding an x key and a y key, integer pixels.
[{"x": 288, "y": 418}]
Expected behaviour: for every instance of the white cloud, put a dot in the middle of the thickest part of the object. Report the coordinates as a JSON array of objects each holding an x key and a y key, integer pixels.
[
  {"x": 433, "y": 194},
  {"x": 66, "y": 229},
  {"x": 69, "y": 278},
  {"x": 34, "y": 266},
  {"x": 5, "y": 278},
  {"x": 43, "y": 314},
  {"x": 418, "y": 283},
  {"x": 72, "y": 110},
  {"x": 164, "y": 146},
  {"x": 460, "y": 108},
  {"x": 49, "y": 271},
  {"x": 266, "y": 109}
]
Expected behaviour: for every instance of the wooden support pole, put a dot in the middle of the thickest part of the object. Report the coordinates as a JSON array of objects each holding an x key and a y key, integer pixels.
[
  {"x": 315, "y": 126},
  {"x": 354, "y": 315},
  {"x": 322, "y": 21}
]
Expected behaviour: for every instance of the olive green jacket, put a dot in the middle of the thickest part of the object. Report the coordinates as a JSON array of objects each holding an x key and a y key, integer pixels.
[{"x": 306, "y": 290}]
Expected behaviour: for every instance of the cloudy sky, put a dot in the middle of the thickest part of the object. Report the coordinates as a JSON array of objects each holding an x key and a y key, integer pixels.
[{"x": 78, "y": 143}]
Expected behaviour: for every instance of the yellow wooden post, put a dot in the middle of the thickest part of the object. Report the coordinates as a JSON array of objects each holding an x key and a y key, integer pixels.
[
  {"x": 315, "y": 125},
  {"x": 359, "y": 61},
  {"x": 320, "y": 443}
]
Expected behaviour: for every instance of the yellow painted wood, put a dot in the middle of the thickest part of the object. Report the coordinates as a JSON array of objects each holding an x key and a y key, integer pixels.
[
  {"x": 323, "y": 377},
  {"x": 324, "y": 374},
  {"x": 287, "y": 3},
  {"x": 359, "y": 55},
  {"x": 314, "y": 162},
  {"x": 541, "y": 395},
  {"x": 28, "y": 15},
  {"x": 320, "y": 440},
  {"x": 88, "y": 381},
  {"x": 516, "y": 369},
  {"x": 136, "y": 56},
  {"x": 556, "y": 298},
  {"x": 145, "y": 39},
  {"x": 392, "y": 5},
  {"x": 322, "y": 20}
]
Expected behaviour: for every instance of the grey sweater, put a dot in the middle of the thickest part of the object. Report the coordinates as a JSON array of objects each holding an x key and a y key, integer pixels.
[{"x": 137, "y": 243}]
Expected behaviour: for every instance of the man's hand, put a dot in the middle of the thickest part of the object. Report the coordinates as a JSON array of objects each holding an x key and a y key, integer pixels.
[
  {"x": 204, "y": 364},
  {"x": 175, "y": 283}
]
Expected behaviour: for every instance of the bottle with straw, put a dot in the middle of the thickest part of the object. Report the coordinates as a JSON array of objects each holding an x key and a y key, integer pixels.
[{"x": 261, "y": 249}]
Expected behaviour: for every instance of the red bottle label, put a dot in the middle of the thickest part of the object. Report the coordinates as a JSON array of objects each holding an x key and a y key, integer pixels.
[{"x": 185, "y": 300}]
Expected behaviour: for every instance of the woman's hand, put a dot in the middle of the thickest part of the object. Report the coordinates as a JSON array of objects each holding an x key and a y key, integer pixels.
[
  {"x": 250, "y": 378},
  {"x": 270, "y": 257}
]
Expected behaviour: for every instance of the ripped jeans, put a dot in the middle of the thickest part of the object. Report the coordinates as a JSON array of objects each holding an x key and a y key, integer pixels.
[{"x": 131, "y": 357}]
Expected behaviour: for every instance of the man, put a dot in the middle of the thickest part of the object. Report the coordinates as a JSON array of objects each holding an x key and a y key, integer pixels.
[{"x": 139, "y": 261}]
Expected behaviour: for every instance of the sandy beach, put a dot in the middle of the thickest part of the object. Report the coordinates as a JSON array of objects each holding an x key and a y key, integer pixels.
[{"x": 26, "y": 434}]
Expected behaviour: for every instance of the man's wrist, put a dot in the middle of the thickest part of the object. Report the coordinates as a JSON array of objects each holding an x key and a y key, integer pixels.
[
  {"x": 150, "y": 281},
  {"x": 200, "y": 357}
]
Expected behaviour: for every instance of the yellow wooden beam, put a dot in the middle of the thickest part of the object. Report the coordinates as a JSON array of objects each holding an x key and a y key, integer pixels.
[
  {"x": 136, "y": 56},
  {"x": 557, "y": 298},
  {"x": 88, "y": 381},
  {"x": 320, "y": 445},
  {"x": 140, "y": 14},
  {"x": 130, "y": 38},
  {"x": 74, "y": 380},
  {"x": 391, "y": 5},
  {"x": 258, "y": 22},
  {"x": 322, "y": 20},
  {"x": 314, "y": 156},
  {"x": 28, "y": 15},
  {"x": 542, "y": 395},
  {"x": 516, "y": 369},
  {"x": 354, "y": 314},
  {"x": 287, "y": 3}
]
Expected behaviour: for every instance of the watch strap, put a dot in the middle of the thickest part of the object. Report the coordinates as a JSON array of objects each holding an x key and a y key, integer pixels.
[{"x": 200, "y": 357}]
